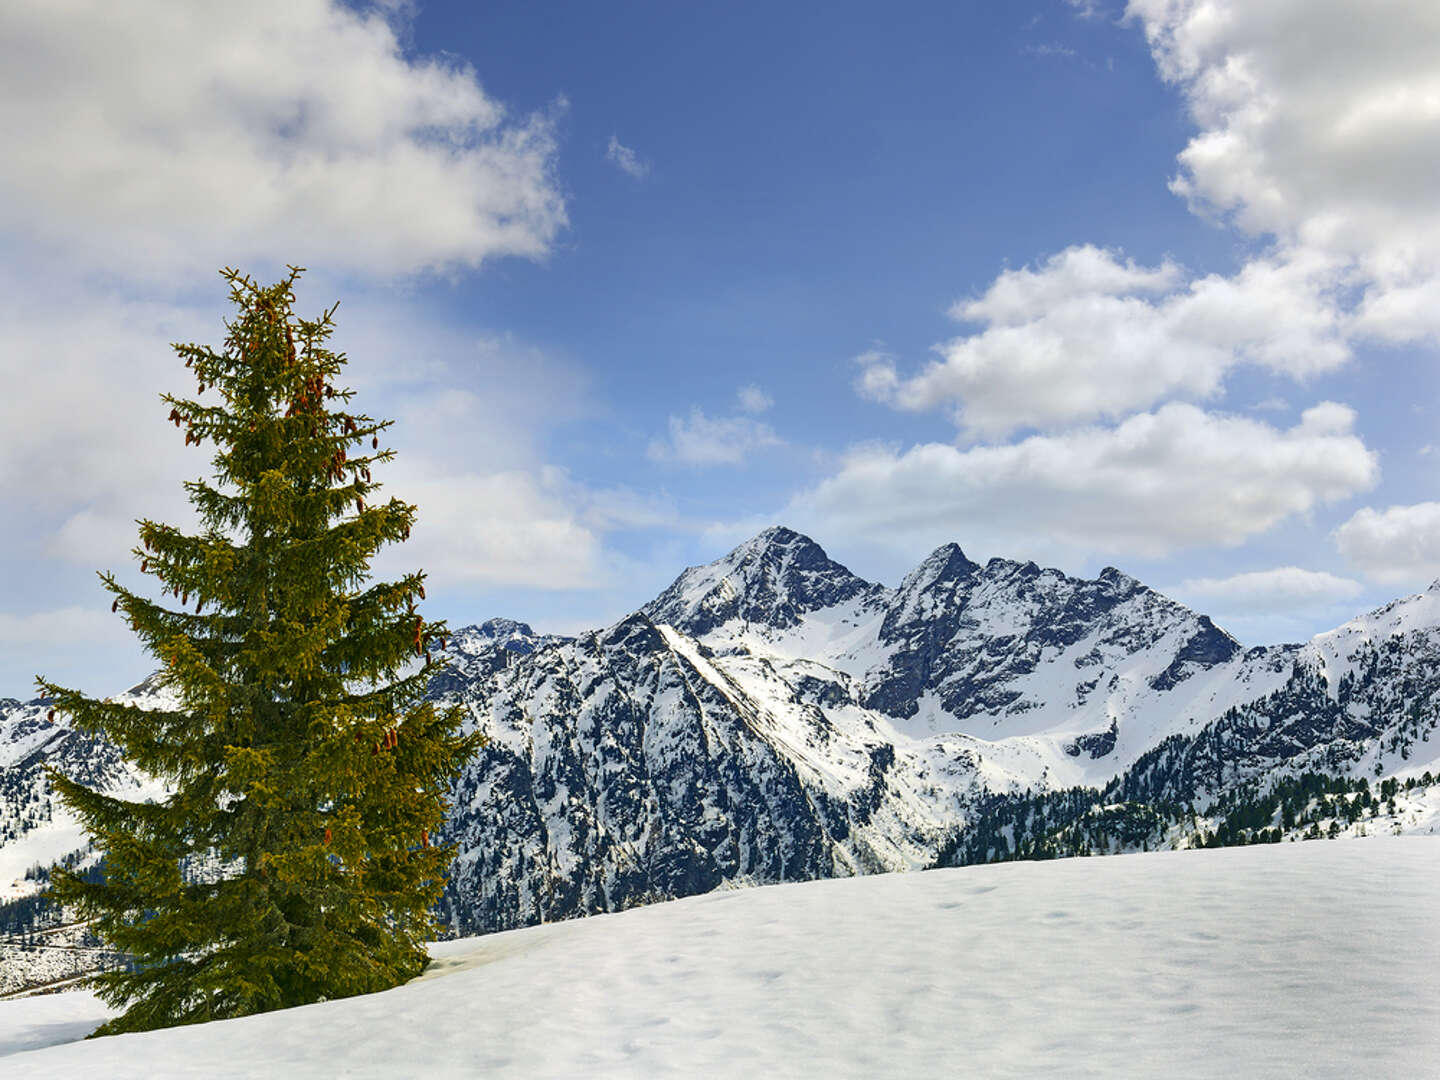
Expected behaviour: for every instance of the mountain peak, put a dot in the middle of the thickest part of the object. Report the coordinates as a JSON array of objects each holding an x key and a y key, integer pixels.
[
  {"x": 493, "y": 639},
  {"x": 942, "y": 568},
  {"x": 945, "y": 563},
  {"x": 772, "y": 579},
  {"x": 774, "y": 538},
  {"x": 504, "y": 628}
]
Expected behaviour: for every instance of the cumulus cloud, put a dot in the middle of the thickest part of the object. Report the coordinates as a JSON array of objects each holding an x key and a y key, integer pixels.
[
  {"x": 1282, "y": 590},
  {"x": 1089, "y": 335},
  {"x": 1318, "y": 133},
  {"x": 153, "y": 137},
  {"x": 1399, "y": 545},
  {"x": 535, "y": 527},
  {"x": 149, "y": 144},
  {"x": 1319, "y": 125},
  {"x": 697, "y": 439},
  {"x": 625, "y": 159},
  {"x": 1159, "y": 482},
  {"x": 518, "y": 527}
]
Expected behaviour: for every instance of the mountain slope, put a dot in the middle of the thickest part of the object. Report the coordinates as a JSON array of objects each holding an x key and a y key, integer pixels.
[{"x": 773, "y": 717}]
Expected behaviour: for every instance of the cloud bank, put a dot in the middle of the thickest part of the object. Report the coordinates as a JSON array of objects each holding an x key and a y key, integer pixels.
[
  {"x": 1088, "y": 335},
  {"x": 1395, "y": 546},
  {"x": 1158, "y": 483},
  {"x": 1317, "y": 138},
  {"x": 154, "y": 137},
  {"x": 1279, "y": 591}
]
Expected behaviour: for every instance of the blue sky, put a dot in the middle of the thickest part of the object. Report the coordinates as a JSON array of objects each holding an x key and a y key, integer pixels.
[{"x": 1150, "y": 285}]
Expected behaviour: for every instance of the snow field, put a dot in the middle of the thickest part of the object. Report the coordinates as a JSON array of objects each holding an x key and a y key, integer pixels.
[{"x": 1317, "y": 959}]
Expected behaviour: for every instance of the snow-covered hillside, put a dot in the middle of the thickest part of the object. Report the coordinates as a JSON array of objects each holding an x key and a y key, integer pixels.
[{"x": 1319, "y": 960}]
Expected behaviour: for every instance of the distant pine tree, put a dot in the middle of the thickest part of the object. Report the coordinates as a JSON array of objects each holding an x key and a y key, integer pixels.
[{"x": 292, "y": 861}]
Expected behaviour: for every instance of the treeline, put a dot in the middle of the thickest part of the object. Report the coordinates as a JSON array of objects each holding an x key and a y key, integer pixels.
[{"x": 1083, "y": 821}]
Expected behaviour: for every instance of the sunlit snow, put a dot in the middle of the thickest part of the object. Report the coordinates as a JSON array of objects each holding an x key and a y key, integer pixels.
[{"x": 1317, "y": 959}]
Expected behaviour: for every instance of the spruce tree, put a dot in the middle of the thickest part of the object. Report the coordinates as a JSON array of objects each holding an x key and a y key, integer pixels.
[{"x": 292, "y": 860}]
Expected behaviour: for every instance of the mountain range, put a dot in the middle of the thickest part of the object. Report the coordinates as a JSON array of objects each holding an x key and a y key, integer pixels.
[{"x": 773, "y": 717}]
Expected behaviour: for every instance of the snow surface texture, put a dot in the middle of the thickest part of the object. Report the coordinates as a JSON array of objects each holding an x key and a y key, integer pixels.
[{"x": 1317, "y": 960}]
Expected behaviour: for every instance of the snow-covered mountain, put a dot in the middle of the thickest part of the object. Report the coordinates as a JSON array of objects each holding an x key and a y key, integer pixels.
[
  {"x": 35, "y": 831},
  {"x": 771, "y": 716}
]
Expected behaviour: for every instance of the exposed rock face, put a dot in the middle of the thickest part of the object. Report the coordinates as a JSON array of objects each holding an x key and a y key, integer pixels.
[
  {"x": 975, "y": 636},
  {"x": 771, "y": 716},
  {"x": 620, "y": 770}
]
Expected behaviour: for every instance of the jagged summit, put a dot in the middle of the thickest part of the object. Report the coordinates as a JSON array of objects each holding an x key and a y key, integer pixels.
[
  {"x": 773, "y": 579},
  {"x": 509, "y": 634},
  {"x": 945, "y": 563},
  {"x": 503, "y": 628},
  {"x": 776, "y": 536}
]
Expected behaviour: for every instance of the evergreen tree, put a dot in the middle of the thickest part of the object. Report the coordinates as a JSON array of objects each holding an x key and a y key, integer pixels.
[{"x": 292, "y": 860}]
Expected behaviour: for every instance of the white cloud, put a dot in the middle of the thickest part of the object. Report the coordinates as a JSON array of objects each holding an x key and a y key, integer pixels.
[
  {"x": 1319, "y": 125},
  {"x": 537, "y": 527},
  {"x": 1047, "y": 48},
  {"x": 517, "y": 527},
  {"x": 753, "y": 400},
  {"x": 1020, "y": 296},
  {"x": 698, "y": 439},
  {"x": 86, "y": 445},
  {"x": 1399, "y": 545},
  {"x": 66, "y": 627},
  {"x": 1319, "y": 133},
  {"x": 625, "y": 159},
  {"x": 1159, "y": 482},
  {"x": 1089, "y": 335},
  {"x": 1282, "y": 590},
  {"x": 87, "y": 448},
  {"x": 152, "y": 138}
]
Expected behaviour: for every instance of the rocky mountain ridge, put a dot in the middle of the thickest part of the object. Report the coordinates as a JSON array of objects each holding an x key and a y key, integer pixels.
[{"x": 771, "y": 716}]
